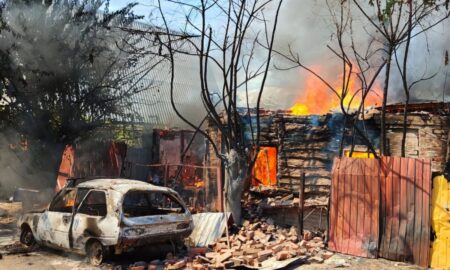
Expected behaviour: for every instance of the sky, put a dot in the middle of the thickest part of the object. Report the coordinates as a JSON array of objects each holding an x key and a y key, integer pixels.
[
  {"x": 306, "y": 26},
  {"x": 144, "y": 7}
]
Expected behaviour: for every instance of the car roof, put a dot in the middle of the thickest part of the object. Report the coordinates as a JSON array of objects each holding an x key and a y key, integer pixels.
[{"x": 121, "y": 185}]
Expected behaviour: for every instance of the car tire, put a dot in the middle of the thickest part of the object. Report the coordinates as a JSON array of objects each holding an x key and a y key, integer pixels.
[
  {"x": 96, "y": 252},
  {"x": 26, "y": 236}
]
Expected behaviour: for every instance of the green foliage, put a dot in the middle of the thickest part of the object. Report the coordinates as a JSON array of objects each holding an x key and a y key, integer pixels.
[{"x": 66, "y": 67}]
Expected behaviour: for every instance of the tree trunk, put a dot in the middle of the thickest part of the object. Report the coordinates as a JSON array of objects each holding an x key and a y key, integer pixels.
[
  {"x": 405, "y": 81},
  {"x": 383, "y": 141},
  {"x": 236, "y": 177},
  {"x": 52, "y": 153}
]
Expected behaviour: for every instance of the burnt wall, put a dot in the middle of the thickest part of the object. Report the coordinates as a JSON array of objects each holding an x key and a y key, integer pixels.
[
  {"x": 427, "y": 136},
  {"x": 305, "y": 144}
]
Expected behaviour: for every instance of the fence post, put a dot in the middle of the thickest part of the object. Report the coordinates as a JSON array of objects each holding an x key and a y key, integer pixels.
[{"x": 301, "y": 205}]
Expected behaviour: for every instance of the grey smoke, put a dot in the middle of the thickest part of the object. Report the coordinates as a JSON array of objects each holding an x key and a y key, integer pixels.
[{"x": 306, "y": 25}]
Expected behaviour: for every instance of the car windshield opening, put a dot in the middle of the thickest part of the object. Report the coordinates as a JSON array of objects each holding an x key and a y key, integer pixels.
[{"x": 149, "y": 203}]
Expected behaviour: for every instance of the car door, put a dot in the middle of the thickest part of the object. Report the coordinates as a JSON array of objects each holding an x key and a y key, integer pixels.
[
  {"x": 93, "y": 219},
  {"x": 54, "y": 224}
]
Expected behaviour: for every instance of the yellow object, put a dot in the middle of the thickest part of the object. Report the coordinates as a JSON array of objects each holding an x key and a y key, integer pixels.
[
  {"x": 440, "y": 222},
  {"x": 359, "y": 154}
]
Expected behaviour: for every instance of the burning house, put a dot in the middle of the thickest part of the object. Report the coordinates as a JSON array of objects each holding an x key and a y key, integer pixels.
[{"x": 298, "y": 148}]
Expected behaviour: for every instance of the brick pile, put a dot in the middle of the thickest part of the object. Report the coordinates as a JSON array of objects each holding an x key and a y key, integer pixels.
[{"x": 252, "y": 245}]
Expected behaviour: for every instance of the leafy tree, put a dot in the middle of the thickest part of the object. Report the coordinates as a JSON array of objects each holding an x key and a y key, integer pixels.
[{"x": 67, "y": 69}]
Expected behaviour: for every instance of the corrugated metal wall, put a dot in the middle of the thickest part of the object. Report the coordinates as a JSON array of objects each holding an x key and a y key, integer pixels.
[{"x": 404, "y": 186}]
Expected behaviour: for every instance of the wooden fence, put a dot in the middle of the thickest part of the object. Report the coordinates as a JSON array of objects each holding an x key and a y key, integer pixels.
[{"x": 381, "y": 208}]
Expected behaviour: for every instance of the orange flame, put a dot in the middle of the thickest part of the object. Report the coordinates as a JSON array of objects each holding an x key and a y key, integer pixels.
[
  {"x": 317, "y": 98},
  {"x": 265, "y": 168}
]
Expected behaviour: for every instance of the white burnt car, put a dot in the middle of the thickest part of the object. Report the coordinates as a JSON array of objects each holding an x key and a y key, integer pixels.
[{"x": 108, "y": 216}]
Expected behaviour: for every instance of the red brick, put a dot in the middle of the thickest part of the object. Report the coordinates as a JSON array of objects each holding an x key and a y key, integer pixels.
[
  {"x": 264, "y": 255},
  {"x": 282, "y": 255},
  {"x": 223, "y": 257}
]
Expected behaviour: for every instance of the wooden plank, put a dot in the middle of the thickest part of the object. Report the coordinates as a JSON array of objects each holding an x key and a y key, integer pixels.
[
  {"x": 368, "y": 205},
  {"x": 395, "y": 238},
  {"x": 405, "y": 232},
  {"x": 375, "y": 210},
  {"x": 354, "y": 210},
  {"x": 353, "y": 247},
  {"x": 340, "y": 210},
  {"x": 333, "y": 205},
  {"x": 383, "y": 210},
  {"x": 403, "y": 211},
  {"x": 386, "y": 239},
  {"x": 361, "y": 206},
  {"x": 418, "y": 209},
  {"x": 301, "y": 206},
  {"x": 410, "y": 210},
  {"x": 425, "y": 239},
  {"x": 346, "y": 213}
]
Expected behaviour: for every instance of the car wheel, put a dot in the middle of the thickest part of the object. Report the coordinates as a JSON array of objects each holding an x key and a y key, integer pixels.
[
  {"x": 96, "y": 252},
  {"x": 26, "y": 236}
]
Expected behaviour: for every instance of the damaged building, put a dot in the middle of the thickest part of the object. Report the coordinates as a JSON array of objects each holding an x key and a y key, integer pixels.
[{"x": 296, "y": 148}]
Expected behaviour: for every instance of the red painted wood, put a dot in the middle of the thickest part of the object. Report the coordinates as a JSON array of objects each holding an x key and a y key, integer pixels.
[
  {"x": 369, "y": 226},
  {"x": 410, "y": 184},
  {"x": 346, "y": 214},
  {"x": 354, "y": 212},
  {"x": 425, "y": 240},
  {"x": 333, "y": 205},
  {"x": 340, "y": 209},
  {"x": 392, "y": 192},
  {"x": 418, "y": 209},
  {"x": 354, "y": 244},
  {"x": 387, "y": 181},
  {"x": 406, "y": 233},
  {"x": 373, "y": 238},
  {"x": 361, "y": 207}
]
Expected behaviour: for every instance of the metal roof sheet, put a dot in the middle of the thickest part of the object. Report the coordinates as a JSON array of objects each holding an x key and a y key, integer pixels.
[
  {"x": 208, "y": 227},
  {"x": 153, "y": 102}
]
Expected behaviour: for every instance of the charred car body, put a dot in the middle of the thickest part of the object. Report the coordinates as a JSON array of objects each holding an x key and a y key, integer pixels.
[{"x": 104, "y": 216}]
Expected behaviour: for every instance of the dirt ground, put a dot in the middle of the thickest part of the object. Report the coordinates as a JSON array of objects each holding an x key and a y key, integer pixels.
[
  {"x": 346, "y": 262},
  {"x": 49, "y": 259}
]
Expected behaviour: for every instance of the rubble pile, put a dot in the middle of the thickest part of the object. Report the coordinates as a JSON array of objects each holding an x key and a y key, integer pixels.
[
  {"x": 9, "y": 212},
  {"x": 265, "y": 197},
  {"x": 258, "y": 199},
  {"x": 255, "y": 244}
]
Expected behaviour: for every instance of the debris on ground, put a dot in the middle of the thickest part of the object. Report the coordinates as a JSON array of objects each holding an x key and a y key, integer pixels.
[
  {"x": 266, "y": 197},
  {"x": 256, "y": 244},
  {"x": 16, "y": 248},
  {"x": 9, "y": 212}
]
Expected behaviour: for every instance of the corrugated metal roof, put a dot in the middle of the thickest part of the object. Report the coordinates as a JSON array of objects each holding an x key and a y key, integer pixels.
[
  {"x": 153, "y": 103},
  {"x": 208, "y": 227}
]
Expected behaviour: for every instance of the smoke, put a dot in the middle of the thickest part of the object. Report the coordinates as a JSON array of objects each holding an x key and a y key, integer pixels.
[
  {"x": 58, "y": 70},
  {"x": 307, "y": 27},
  {"x": 20, "y": 169},
  {"x": 426, "y": 60}
]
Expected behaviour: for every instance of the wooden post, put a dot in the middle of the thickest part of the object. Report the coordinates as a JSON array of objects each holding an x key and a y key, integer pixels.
[
  {"x": 220, "y": 200},
  {"x": 166, "y": 172},
  {"x": 301, "y": 205}
]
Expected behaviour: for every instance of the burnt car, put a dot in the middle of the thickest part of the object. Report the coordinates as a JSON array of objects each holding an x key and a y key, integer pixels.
[{"x": 108, "y": 216}]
